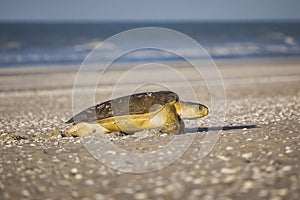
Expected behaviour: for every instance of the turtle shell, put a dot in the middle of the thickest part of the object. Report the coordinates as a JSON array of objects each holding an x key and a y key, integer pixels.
[{"x": 134, "y": 104}]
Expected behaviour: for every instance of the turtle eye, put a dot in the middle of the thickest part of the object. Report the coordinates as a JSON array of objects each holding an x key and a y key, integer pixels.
[
  {"x": 200, "y": 107},
  {"x": 203, "y": 108}
]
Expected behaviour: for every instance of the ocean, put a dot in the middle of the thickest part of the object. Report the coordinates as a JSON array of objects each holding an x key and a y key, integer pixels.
[{"x": 46, "y": 44}]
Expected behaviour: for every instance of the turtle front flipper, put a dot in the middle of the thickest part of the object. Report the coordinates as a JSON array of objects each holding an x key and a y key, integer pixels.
[{"x": 173, "y": 123}]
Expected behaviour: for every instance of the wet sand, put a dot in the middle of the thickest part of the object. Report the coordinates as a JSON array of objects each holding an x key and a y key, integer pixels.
[{"x": 256, "y": 157}]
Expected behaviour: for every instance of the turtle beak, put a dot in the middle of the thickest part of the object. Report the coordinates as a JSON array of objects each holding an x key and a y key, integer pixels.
[{"x": 203, "y": 110}]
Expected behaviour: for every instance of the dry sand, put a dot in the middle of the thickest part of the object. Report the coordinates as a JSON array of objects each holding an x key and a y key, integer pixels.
[{"x": 256, "y": 157}]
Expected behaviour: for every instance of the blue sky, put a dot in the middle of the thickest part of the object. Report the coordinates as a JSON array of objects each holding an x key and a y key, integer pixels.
[{"x": 150, "y": 10}]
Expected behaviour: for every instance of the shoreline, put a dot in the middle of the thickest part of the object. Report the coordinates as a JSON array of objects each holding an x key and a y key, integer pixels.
[
  {"x": 289, "y": 59},
  {"x": 250, "y": 73}
]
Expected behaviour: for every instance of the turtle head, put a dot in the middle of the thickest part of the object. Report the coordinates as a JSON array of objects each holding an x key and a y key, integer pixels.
[{"x": 189, "y": 110}]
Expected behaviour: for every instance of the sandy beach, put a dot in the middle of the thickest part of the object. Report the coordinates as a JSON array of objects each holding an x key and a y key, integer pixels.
[{"x": 256, "y": 157}]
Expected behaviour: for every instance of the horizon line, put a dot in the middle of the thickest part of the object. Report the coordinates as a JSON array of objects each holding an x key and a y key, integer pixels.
[{"x": 153, "y": 21}]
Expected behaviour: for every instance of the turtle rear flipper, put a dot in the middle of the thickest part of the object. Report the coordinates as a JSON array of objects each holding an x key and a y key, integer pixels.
[{"x": 82, "y": 129}]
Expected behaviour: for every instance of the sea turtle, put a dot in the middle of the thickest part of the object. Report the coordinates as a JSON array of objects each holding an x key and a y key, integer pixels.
[{"x": 150, "y": 110}]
